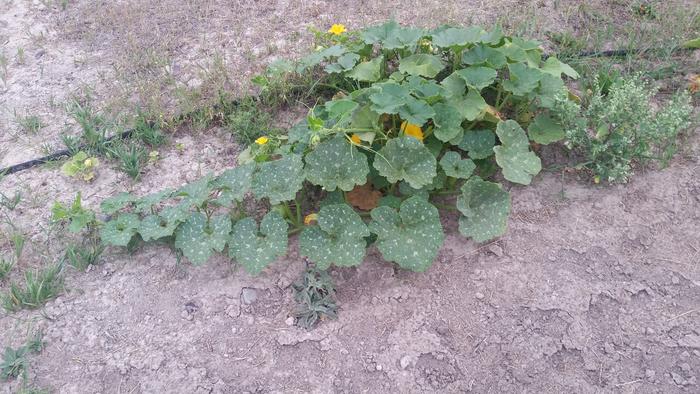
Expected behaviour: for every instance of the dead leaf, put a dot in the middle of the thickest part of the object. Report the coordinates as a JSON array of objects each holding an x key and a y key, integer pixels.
[{"x": 364, "y": 197}]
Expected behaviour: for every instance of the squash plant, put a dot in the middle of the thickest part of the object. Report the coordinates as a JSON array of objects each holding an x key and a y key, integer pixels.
[{"x": 419, "y": 116}]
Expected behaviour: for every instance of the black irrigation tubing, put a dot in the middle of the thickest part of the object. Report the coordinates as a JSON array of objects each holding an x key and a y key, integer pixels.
[{"x": 126, "y": 134}]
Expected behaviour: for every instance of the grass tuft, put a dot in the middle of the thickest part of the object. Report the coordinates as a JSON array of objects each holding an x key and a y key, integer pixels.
[{"x": 39, "y": 287}]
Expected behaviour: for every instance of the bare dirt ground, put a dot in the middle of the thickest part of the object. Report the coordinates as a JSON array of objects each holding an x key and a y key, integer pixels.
[{"x": 593, "y": 289}]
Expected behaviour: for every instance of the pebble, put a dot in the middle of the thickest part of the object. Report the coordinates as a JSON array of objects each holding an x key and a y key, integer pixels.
[
  {"x": 378, "y": 367},
  {"x": 650, "y": 374},
  {"x": 497, "y": 250},
  {"x": 650, "y": 331},
  {"x": 249, "y": 295},
  {"x": 289, "y": 321},
  {"x": 685, "y": 367},
  {"x": 405, "y": 361},
  {"x": 479, "y": 296},
  {"x": 675, "y": 280}
]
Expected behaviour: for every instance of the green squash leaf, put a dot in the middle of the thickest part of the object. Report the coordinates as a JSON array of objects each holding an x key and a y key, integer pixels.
[
  {"x": 485, "y": 206},
  {"x": 519, "y": 164},
  {"x": 147, "y": 202},
  {"x": 484, "y": 55},
  {"x": 469, "y": 106},
  {"x": 522, "y": 79},
  {"x": 426, "y": 89},
  {"x": 456, "y": 167},
  {"x": 197, "y": 192},
  {"x": 388, "y": 97},
  {"x": 341, "y": 109},
  {"x": 406, "y": 158},
  {"x": 454, "y": 85},
  {"x": 421, "y": 64},
  {"x": 369, "y": 71},
  {"x": 448, "y": 122},
  {"x": 336, "y": 163},
  {"x": 116, "y": 203},
  {"x": 411, "y": 237},
  {"x": 234, "y": 183},
  {"x": 154, "y": 227},
  {"x": 457, "y": 37},
  {"x": 198, "y": 239},
  {"x": 256, "y": 248},
  {"x": 416, "y": 111},
  {"x": 478, "y": 77},
  {"x": 119, "y": 231},
  {"x": 278, "y": 180},
  {"x": 555, "y": 68},
  {"x": 344, "y": 63},
  {"x": 478, "y": 143},
  {"x": 392, "y": 36},
  {"x": 544, "y": 130},
  {"x": 692, "y": 44},
  {"x": 337, "y": 239}
]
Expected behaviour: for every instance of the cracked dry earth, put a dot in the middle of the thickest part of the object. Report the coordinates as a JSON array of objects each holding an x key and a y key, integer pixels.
[{"x": 598, "y": 291}]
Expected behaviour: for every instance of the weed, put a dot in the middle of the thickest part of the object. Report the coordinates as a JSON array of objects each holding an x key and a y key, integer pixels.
[
  {"x": 30, "y": 123},
  {"x": 80, "y": 165},
  {"x": 10, "y": 202},
  {"x": 148, "y": 132},
  {"x": 131, "y": 158},
  {"x": 17, "y": 241},
  {"x": 72, "y": 143},
  {"x": 84, "y": 255},
  {"x": 625, "y": 127},
  {"x": 39, "y": 287},
  {"x": 5, "y": 267},
  {"x": 314, "y": 293},
  {"x": 20, "y": 55},
  {"x": 92, "y": 124},
  {"x": 3, "y": 69},
  {"x": 78, "y": 217},
  {"x": 246, "y": 120},
  {"x": 14, "y": 362}
]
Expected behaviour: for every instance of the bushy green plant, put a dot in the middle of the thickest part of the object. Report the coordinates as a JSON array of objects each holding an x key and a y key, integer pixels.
[
  {"x": 39, "y": 287},
  {"x": 314, "y": 294},
  {"x": 77, "y": 217},
  {"x": 617, "y": 128},
  {"x": 418, "y": 115}
]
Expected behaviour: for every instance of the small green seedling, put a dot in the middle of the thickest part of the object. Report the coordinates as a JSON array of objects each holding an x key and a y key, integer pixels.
[
  {"x": 78, "y": 218},
  {"x": 81, "y": 256},
  {"x": 131, "y": 158},
  {"x": 5, "y": 267}
]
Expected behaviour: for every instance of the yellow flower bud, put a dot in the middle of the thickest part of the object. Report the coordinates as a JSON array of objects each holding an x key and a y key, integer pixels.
[{"x": 262, "y": 140}]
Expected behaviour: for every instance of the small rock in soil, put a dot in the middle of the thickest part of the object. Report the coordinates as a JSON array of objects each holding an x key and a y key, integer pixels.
[
  {"x": 289, "y": 321},
  {"x": 249, "y": 295},
  {"x": 479, "y": 296},
  {"x": 650, "y": 374},
  {"x": 497, "y": 250},
  {"x": 405, "y": 361}
]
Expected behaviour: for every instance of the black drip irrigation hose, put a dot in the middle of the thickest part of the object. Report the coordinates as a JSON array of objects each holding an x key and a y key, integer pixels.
[
  {"x": 57, "y": 155},
  {"x": 126, "y": 134}
]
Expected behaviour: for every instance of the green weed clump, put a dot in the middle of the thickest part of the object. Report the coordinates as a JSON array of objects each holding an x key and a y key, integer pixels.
[
  {"x": 618, "y": 126},
  {"x": 314, "y": 293},
  {"x": 39, "y": 287}
]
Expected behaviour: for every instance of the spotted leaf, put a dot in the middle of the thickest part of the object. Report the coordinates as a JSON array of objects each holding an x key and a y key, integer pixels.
[
  {"x": 485, "y": 207},
  {"x": 519, "y": 164},
  {"x": 336, "y": 163},
  {"x": 255, "y": 248},
  {"x": 406, "y": 158}
]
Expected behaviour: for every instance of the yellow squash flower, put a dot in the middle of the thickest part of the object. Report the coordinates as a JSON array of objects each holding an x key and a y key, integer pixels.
[
  {"x": 262, "y": 140},
  {"x": 312, "y": 217},
  {"x": 355, "y": 139},
  {"x": 337, "y": 29},
  {"x": 412, "y": 130}
]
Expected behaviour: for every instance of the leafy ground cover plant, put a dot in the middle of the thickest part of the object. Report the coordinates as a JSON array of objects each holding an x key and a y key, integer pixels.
[
  {"x": 314, "y": 294},
  {"x": 618, "y": 126},
  {"x": 418, "y": 116}
]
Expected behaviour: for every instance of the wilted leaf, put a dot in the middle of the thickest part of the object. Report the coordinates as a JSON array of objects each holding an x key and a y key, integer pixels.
[
  {"x": 364, "y": 197},
  {"x": 410, "y": 237}
]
